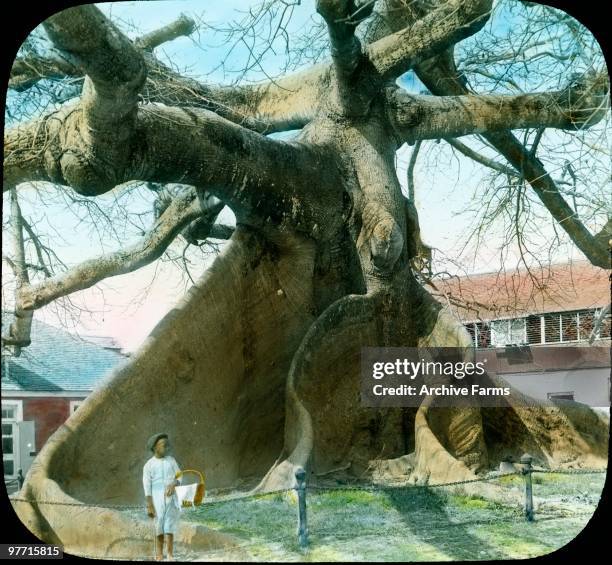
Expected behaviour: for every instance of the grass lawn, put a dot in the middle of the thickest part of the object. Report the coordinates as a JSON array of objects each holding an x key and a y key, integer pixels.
[{"x": 409, "y": 524}]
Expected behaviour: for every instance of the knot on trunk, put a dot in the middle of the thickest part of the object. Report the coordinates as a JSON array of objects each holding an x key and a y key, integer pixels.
[{"x": 386, "y": 244}]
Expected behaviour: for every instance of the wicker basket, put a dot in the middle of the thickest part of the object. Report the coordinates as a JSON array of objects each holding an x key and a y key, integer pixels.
[{"x": 200, "y": 489}]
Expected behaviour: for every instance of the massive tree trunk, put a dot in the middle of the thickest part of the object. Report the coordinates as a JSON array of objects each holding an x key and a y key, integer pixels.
[{"x": 256, "y": 372}]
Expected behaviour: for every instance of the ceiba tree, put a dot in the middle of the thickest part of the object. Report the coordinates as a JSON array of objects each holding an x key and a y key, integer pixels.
[{"x": 256, "y": 371}]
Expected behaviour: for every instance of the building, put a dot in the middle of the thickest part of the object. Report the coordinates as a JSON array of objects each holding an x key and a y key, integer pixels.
[
  {"x": 538, "y": 311},
  {"x": 44, "y": 385}
]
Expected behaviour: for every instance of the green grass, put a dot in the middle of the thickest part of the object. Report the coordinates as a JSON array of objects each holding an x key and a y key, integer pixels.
[{"x": 411, "y": 524}]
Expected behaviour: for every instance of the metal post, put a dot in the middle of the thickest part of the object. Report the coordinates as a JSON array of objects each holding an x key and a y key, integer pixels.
[
  {"x": 302, "y": 531},
  {"x": 526, "y": 462},
  {"x": 20, "y": 478}
]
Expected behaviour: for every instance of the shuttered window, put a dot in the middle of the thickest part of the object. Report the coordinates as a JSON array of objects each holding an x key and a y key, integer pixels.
[{"x": 557, "y": 327}]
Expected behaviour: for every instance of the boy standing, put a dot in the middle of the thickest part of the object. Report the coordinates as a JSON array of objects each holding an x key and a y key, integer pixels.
[{"x": 159, "y": 477}]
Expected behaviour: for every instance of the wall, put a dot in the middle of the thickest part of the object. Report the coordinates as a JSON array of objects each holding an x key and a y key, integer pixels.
[
  {"x": 49, "y": 413},
  {"x": 590, "y": 386}
]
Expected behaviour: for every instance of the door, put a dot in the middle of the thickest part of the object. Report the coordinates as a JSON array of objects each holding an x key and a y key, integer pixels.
[{"x": 27, "y": 444}]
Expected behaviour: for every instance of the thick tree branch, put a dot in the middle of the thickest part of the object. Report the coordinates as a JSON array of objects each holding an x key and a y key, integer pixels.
[
  {"x": 202, "y": 228},
  {"x": 425, "y": 117},
  {"x": 27, "y": 71},
  {"x": 255, "y": 175},
  {"x": 281, "y": 105},
  {"x": 220, "y": 231},
  {"x": 410, "y": 170},
  {"x": 453, "y": 21},
  {"x": 345, "y": 47},
  {"x": 285, "y": 104},
  {"x": 182, "y": 26},
  {"x": 105, "y": 122},
  {"x": 342, "y": 17},
  {"x": 183, "y": 210},
  {"x": 604, "y": 236},
  {"x": 106, "y": 139}
]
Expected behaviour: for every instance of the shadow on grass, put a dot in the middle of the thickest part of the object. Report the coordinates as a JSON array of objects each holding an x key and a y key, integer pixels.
[{"x": 423, "y": 511}]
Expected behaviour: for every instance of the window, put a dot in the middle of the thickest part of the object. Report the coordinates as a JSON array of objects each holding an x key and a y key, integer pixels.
[
  {"x": 557, "y": 327},
  {"x": 604, "y": 329},
  {"x": 569, "y": 326},
  {"x": 471, "y": 328},
  {"x": 506, "y": 332},
  {"x": 534, "y": 329},
  {"x": 586, "y": 320},
  {"x": 561, "y": 395},
  {"x": 552, "y": 328},
  {"x": 11, "y": 414},
  {"x": 483, "y": 334},
  {"x": 480, "y": 334}
]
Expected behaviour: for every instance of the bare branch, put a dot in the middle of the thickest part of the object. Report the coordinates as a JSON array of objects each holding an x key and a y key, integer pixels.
[
  {"x": 479, "y": 158},
  {"x": 20, "y": 328},
  {"x": 27, "y": 71},
  {"x": 287, "y": 103},
  {"x": 441, "y": 78},
  {"x": 410, "y": 169},
  {"x": 183, "y": 210},
  {"x": 38, "y": 246}
]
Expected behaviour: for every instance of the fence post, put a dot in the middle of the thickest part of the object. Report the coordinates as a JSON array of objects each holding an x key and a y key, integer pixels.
[
  {"x": 302, "y": 531},
  {"x": 527, "y": 470}
]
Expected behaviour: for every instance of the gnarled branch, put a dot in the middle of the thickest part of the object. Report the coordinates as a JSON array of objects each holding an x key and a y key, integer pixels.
[
  {"x": 427, "y": 117},
  {"x": 272, "y": 106},
  {"x": 105, "y": 122}
]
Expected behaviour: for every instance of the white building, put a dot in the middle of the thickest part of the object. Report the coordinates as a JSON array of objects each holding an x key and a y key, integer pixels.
[{"x": 537, "y": 312}]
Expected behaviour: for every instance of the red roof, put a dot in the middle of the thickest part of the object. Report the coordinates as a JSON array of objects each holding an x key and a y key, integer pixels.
[{"x": 555, "y": 288}]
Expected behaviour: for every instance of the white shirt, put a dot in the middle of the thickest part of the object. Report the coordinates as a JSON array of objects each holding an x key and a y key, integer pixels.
[{"x": 157, "y": 474}]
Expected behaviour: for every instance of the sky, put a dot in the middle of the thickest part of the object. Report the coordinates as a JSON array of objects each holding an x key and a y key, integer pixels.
[{"x": 127, "y": 307}]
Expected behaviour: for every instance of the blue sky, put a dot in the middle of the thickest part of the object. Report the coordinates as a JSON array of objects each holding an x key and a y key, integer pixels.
[{"x": 445, "y": 183}]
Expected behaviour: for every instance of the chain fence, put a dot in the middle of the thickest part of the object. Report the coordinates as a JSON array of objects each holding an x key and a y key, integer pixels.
[{"x": 305, "y": 533}]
